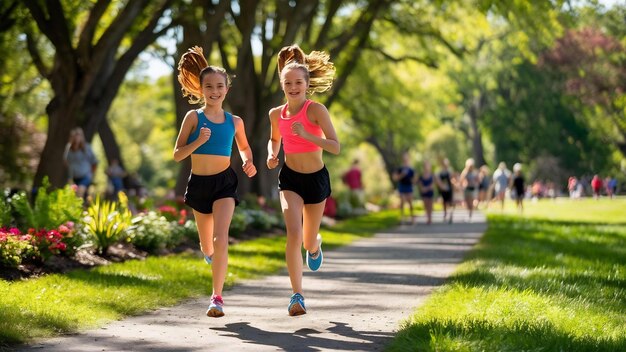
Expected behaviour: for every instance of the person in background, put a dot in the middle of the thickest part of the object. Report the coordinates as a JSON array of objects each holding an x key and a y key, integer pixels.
[
  {"x": 445, "y": 186},
  {"x": 484, "y": 186},
  {"x": 353, "y": 179},
  {"x": 81, "y": 162},
  {"x": 518, "y": 186},
  {"x": 596, "y": 186},
  {"x": 426, "y": 185},
  {"x": 611, "y": 187},
  {"x": 501, "y": 179},
  {"x": 405, "y": 177},
  {"x": 469, "y": 182},
  {"x": 116, "y": 176}
]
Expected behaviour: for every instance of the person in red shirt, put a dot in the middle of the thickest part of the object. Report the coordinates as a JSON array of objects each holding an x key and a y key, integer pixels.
[
  {"x": 352, "y": 179},
  {"x": 596, "y": 185}
]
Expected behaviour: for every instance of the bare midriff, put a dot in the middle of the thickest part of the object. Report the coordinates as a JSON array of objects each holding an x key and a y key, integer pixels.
[
  {"x": 305, "y": 163},
  {"x": 203, "y": 164}
]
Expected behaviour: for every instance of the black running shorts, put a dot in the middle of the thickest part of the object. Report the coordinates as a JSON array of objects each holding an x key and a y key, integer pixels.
[
  {"x": 313, "y": 188},
  {"x": 202, "y": 190}
]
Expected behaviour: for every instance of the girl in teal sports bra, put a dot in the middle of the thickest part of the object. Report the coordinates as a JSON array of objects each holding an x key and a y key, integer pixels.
[{"x": 206, "y": 135}]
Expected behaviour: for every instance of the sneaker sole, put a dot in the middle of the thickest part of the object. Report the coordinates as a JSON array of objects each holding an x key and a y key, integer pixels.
[
  {"x": 296, "y": 310},
  {"x": 214, "y": 313}
]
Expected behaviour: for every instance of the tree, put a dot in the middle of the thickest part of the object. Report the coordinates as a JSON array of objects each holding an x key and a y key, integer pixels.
[
  {"x": 594, "y": 68},
  {"x": 268, "y": 26},
  {"x": 94, "y": 45}
]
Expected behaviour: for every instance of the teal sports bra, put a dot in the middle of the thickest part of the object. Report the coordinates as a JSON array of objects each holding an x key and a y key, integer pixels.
[{"x": 222, "y": 135}]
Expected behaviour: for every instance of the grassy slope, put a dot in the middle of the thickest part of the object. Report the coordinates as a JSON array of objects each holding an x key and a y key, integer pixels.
[{"x": 553, "y": 279}]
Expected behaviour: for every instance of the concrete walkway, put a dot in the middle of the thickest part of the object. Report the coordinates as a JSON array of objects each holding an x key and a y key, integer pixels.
[{"x": 355, "y": 302}]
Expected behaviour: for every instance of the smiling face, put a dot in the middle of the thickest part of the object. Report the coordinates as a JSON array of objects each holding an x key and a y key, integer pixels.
[
  {"x": 214, "y": 88},
  {"x": 294, "y": 82}
]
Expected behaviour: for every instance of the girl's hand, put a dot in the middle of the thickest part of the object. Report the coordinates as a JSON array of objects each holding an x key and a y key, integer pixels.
[
  {"x": 205, "y": 134},
  {"x": 249, "y": 169},
  {"x": 272, "y": 161},
  {"x": 297, "y": 129}
]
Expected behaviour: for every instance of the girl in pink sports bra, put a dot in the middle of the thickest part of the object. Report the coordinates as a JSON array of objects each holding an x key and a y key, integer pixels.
[{"x": 305, "y": 129}]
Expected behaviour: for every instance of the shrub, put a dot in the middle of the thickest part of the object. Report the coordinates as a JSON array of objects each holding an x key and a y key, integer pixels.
[
  {"x": 50, "y": 209},
  {"x": 14, "y": 247},
  {"x": 240, "y": 222},
  {"x": 107, "y": 221},
  {"x": 47, "y": 243},
  {"x": 153, "y": 232},
  {"x": 260, "y": 219},
  {"x": 186, "y": 230},
  {"x": 5, "y": 212}
]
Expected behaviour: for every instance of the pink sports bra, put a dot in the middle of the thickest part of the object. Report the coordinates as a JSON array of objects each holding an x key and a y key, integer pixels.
[{"x": 291, "y": 142}]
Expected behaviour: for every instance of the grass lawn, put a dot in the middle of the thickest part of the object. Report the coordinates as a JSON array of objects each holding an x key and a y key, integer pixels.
[
  {"x": 81, "y": 299},
  {"x": 552, "y": 279}
]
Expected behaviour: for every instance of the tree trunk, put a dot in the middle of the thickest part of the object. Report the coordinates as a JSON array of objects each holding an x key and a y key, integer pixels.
[
  {"x": 87, "y": 71},
  {"x": 474, "y": 112}
]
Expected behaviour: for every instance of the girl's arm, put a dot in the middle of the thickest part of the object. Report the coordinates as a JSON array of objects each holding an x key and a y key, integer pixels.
[
  {"x": 182, "y": 149},
  {"x": 319, "y": 115},
  {"x": 273, "y": 145},
  {"x": 244, "y": 148}
]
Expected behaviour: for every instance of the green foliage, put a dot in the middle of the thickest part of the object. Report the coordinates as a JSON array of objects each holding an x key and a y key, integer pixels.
[
  {"x": 261, "y": 219},
  {"x": 239, "y": 223},
  {"x": 5, "y": 212},
  {"x": 50, "y": 210},
  {"x": 153, "y": 232},
  {"x": 186, "y": 230},
  {"x": 106, "y": 222}
]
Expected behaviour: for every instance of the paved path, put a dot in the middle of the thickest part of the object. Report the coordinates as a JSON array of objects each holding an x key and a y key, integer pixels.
[{"x": 355, "y": 302}]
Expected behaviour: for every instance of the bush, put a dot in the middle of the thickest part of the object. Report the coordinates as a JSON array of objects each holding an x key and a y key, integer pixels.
[
  {"x": 5, "y": 212},
  {"x": 186, "y": 230},
  {"x": 106, "y": 222},
  {"x": 50, "y": 210},
  {"x": 153, "y": 232},
  {"x": 240, "y": 222},
  {"x": 261, "y": 220},
  {"x": 14, "y": 247}
]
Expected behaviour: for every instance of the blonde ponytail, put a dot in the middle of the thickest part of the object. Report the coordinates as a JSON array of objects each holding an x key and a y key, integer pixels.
[
  {"x": 319, "y": 70},
  {"x": 189, "y": 67}
]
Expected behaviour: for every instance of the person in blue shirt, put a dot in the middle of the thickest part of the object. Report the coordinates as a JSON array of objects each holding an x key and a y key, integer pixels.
[
  {"x": 206, "y": 135},
  {"x": 81, "y": 162},
  {"x": 405, "y": 178}
]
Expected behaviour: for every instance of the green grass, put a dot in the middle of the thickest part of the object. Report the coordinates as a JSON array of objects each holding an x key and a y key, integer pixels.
[
  {"x": 82, "y": 299},
  {"x": 553, "y": 279}
]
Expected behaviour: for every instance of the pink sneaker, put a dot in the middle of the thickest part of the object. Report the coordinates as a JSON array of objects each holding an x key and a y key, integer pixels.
[{"x": 216, "y": 308}]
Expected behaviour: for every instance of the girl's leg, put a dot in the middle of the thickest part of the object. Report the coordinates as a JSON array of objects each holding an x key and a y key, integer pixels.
[
  {"x": 223, "y": 210},
  {"x": 401, "y": 207},
  {"x": 311, "y": 225},
  {"x": 410, "y": 203},
  {"x": 469, "y": 201},
  {"x": 204, "y": 223},
  {"x": 428, "y": 206},
  {"x": 292, "y": 205}
]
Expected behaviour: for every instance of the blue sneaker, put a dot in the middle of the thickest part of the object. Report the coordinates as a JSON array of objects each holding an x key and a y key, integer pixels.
[
  {"x": 296, "y": 305},
  {"x": 208, "y": 259},
  {"x": 216, "y": 309},
  {"x": 314, "y": 261}
]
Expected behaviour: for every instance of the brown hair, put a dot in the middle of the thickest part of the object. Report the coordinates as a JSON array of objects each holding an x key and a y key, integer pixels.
[
  {"x": 192, "y": 68},
  {"x": 319, "y": 71}
]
